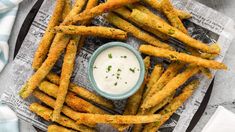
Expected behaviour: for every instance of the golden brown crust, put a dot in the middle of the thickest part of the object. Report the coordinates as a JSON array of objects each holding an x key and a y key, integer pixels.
[
  {"x": 172, "y": 106},
  {"x": 157, "y": 6},
  {"x": 172, "y": 15},
  {"x": 117, "y": 119},
  {"x": 51, "y": 103},
  {"x": 67, "y": 69},
  {"x": 57, "y": 47},
  {"x": 56, "y": 128},
  {"x": 63, "y": 120},
  {"x": 125, "y": 13},
  {"x": 173, "y": 55},
  {"x": 99, "y": 31},
  {"x": 154, "y": 77},
  {"x": 170, "y": 73},
  {"x": 183, "y": 14},
  {"x": 71, "y": 100},
  {"x": 173, "y": 32},
  {"x": 82, "y": 92},
  {"x": 67, "y": 9},
  {"x": 134, "y": 101},
  {"x": 170, "y": 87},
  {"x": 128, "y": 27},
  {"x": 45, "y": 43},
  {"x": 101, "y": 8}
]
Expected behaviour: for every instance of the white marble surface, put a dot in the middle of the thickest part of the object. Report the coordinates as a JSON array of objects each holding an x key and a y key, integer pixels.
[{"x": 222, "y": 94}]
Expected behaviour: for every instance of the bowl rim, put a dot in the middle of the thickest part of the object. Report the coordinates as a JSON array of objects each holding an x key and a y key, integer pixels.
[{"x": 116, "y": 96}]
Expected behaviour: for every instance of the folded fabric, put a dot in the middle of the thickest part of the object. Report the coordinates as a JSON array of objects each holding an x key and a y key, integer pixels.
[
  {"x": 8, "y": 11},
  {"x": 8, "y": 119},
  {"x": 6, "y": 5},
  {"x": 221, "y": 121}
]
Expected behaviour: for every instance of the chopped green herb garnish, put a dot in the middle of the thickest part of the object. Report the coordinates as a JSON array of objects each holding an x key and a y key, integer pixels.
[
  {"x": 171, "y": 31},
  {"x": 110, "y": 56},
  {"x": 119, "y": 70},
  {"x": 106, "y": 77},
  {"x": 109, "y": 68},
  {"x": 132, "y": 70},
  {"x": 115, "y": 84},
  {"x": 124, "y": 56},
  {"x": 95, "y": 67}
]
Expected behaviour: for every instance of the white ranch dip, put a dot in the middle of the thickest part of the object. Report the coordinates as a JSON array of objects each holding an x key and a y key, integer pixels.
[{"x": 116, "y": 70}]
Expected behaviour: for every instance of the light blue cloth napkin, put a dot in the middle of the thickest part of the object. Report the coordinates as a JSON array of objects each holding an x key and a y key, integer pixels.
[
  {"x": 8, "y": 120},
  {"x": 8, "y": 11}
]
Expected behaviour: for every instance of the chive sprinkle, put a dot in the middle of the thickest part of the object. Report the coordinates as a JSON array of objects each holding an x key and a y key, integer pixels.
[
  {"x": 132, "y": 70},
  {"x": 110, "y": 56}
]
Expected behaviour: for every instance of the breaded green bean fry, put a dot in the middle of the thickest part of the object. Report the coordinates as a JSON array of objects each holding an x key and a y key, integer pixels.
[
  {"x": 51, "y": 103},
  {"x": 90, "y": 4},
  {"x": 125, "y": 13},
  {"x": 45, "y": 43},
  {"x": 71, "y": 100},
  {"x": 154, "y": 77},
  {"x": 55, "y": 128},
  {"x": 173, "y": 55},
  {"x": 67, "y": 8},
  {"x": 161, "y": 105},
  {"x": 172, "y": 15},
  {"x": 57, "y": 47},
  {"x": 117, "y": 119},
  {"x": 144, "y": 9},
  {"x": 101, "y": 8},
  {"x": 133, "y": 102},
  {"x": 170, "y": 87},
  {"x": 173, "y": 32},
  {"x": 82, "y": 92},
  {"x": 183, "y": 14},
  {"x": 99, "y": 31},
  {"x": 67, "y": 70},
  {"x": 169, "y": 74},
  {"x": 46, "y": 113},
  {"x": 157, "y": 6},
  {"x": 173, "y": 106},
  {"x": 128, "y": 27}
]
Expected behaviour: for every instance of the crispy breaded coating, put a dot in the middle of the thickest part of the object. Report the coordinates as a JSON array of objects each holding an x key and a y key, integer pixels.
[
  {"x": 101, "y": 8},
  {"x": 56, "y": 128},
  {"x": 125, "y": 13},
  {"x": 117, "y": 119},
  {"x": 99, "y": 31},
  {"x": 157, "y": 6},
  {"x": 57, "y": 47},
  {"x": 173, "y": 32},
  {"x": 171, "y": 86},
  {"x": 154, "y": 77},
  {"x": 173, "y": 55},
  {"x": 82, "y": 92},
  {"x": 133, "y": 102},
  {"x": 71, "y": 100},
  {"x": 172, "y": 15},
  {"x": 46, "y": 113},
  {"x": 172, "y": 106},
  {"x": 128, "y": 27},
  {"x": 51, "y": 103},
  {"x": 45, "y": 43}
]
